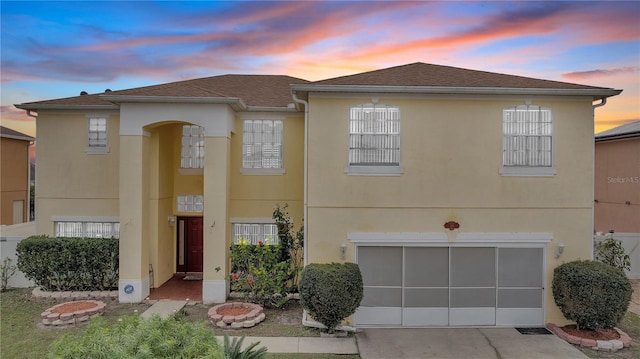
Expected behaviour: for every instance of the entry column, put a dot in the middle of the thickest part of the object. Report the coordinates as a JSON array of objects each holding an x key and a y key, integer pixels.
[
  {"x": 216, "y": 226},
  {"x": 133, "y": 286}
]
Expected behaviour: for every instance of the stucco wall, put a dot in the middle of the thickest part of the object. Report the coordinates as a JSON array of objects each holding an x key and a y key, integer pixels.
[
  {"x": 451, "y": 152},
  {"x": 617, "y": 180},
  {"x": 14, "y": 181}
]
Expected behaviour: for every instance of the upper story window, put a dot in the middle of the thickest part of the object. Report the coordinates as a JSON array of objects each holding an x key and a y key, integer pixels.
[
  {"x": 527, "y": 141},
  {"x": 192, "y": 155},
  {"x": 190, "y": 203},
  {"x": 262, "y": 146},
  {"x": 97, "y": 135},
  {"x": 374, "y": 140}
]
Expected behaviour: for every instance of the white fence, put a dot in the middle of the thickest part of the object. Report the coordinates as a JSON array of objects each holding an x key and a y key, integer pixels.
[
  {"x": 631, "y": 245},
  {"x": 9, "y": 238}
]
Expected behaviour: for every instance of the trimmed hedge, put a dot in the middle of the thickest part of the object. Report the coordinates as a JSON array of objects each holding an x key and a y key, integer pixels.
[
  {"x": 331, "y": 292},
  {"x": 76, "y": 264},
  {"x": 593, "y": 294}
]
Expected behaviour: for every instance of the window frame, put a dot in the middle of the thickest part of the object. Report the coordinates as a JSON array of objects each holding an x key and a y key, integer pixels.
[
  {"x": 198, "y": 155},
  {"x": 375, "y": 169},
  {"x": 531, "y": 169},
  {"x": 97, "y": 149},
  {"x": 258, "y": 222},
  {"x": 84, "y": 222},
  {"x": 193, "y": 200},
  {"x": 269, "y": 171}
]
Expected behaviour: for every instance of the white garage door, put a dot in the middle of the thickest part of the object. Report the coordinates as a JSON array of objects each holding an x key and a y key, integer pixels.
[{"x": 450, "y": 286}]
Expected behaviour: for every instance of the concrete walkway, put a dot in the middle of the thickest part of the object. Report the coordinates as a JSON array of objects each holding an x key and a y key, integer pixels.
[
  {"x": 313, "y": 345},
  {"x": 164, "y": 308}
]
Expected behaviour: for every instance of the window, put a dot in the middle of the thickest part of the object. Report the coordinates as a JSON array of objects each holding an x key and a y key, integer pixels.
[
  {"x": 374, "y": 139},
  {"x": 262, "y": 144},
  {"x": 192, "y": 155},
  {"x": 190, "y": 203},
  {"x": 255, "y": 233},
  {"x": 527, "y": 140},
  {"x": 97, "y": 135},
  {"x": 88, "y": 229}
]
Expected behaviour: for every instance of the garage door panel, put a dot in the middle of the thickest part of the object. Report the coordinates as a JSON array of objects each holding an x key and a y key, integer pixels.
[
  {"x": 382, "y": 297},
  {"x": 520, "y": 298},
  {"x": 520, "y": 267},
  {"x": 519, "y": 316},
  {"x": 425, "y": 317},
  {"x": 472, "y": 316},
  {"x": 473, "y": 267},
  {"x": 426, "y": 267},
  {"x": 378, "y": 316},
  {"x": 426, "y": 297},
  {"x": 380, "y": 266},
  {"x": 473, "y": 297}
]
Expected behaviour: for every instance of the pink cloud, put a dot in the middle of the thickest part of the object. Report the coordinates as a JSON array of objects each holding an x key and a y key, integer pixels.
[{"x": 581, "y": 75}]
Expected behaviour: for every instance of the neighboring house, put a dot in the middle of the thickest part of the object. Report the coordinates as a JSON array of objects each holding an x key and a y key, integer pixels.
[
  {"x": 453, "y": 189},
  {"x": 14, "y": 176},
  {"x": 617, "y": 188}
]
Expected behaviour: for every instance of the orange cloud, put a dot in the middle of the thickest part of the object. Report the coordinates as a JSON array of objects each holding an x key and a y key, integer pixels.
[{"x": 580, "y": 75}]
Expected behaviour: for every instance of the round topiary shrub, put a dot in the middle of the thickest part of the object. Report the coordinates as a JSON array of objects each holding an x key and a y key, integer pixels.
[
  {"x": 593, "y": 294},
  {"x": 331, "y": 292}
]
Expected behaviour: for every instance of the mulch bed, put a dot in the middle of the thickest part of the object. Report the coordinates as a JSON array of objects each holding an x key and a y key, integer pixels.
[{"x": 598, "y": 334}]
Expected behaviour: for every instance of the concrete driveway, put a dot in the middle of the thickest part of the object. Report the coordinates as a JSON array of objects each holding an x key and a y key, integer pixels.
[{"x": 489, "y": 343}]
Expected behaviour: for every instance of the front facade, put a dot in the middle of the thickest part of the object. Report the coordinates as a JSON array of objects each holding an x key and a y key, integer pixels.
[
  {"x": 456, "y": 191},
  {"x": 14, "y": 173},
  {"x": 617, "y": 188}
]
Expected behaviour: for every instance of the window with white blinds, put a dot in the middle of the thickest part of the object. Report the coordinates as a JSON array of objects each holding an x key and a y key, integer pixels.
[
  {"x": 527, "y": 136},
  {"x": 97, "y": 132},
  {"x": 262, "y": 144},
  {"x": 192, "y": 155},
  {"x": 88, "y": 229},
  {"x": 255, "y": 233},
  {"x": 190, "y": 203},
  {"x": 374, "y": 135}
]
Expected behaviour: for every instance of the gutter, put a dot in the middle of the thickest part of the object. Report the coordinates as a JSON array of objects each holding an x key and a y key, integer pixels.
[
  {"x": 597, "y": 93},
  {"x": 35, "y": 117},
  {"x": 236, "y": 103}
]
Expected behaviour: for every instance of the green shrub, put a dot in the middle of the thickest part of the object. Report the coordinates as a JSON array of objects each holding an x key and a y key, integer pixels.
[
  {"x": 593, "y": 294},
  {"x": 134, "y": 337},
  {"x": 610, "y": 251},
  {"x": 7, "y": 270},
  {"x": 69, "y": 263},
  {"x": 233, "y": 349},
  {"x": 331, "y": 292}
]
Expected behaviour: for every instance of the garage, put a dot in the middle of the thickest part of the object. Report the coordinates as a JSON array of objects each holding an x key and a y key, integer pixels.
[{"x": 452, "y": 284}]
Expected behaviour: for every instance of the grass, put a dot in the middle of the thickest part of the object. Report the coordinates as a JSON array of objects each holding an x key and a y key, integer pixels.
[
  {"x": 630, "y": 324},
  {"x": 23, "y": 336}
]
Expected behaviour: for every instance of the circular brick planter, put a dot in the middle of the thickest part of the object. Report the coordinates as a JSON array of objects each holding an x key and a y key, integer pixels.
[
  {"x": 236, "y": 315},
  {"x": 602, "y": 345},
  {"x": 72, "y": 313}
]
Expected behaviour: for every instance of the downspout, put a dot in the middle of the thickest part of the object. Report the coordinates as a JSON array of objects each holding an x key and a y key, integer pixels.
[
  {"x": 593, "y": 190},
  {"x": 35, "y": 117},
  {"x": 306, "y": 322}
]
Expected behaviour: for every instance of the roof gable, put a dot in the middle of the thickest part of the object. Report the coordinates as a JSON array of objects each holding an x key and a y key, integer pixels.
[
  {"x": 9, "y": 133},
  {"x": 631, "y": 129}
]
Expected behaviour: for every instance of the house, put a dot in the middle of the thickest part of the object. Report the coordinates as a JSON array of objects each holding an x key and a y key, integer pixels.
[
  {"x": 456, "y": 191},
  {"x": 15, "y": 176},
  {"x": 617, "y": 188}
]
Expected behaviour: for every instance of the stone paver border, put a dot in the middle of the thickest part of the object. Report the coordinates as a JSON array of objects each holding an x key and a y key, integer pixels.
[
  {"x": 50, "y": 318},
  {"x": 601, "y": 345},
  {"x": 68, "y": 295},
  {"x": 255, "y": 315}
]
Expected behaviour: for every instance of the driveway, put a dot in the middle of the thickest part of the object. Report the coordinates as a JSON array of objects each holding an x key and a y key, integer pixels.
[{"x": 484, "y": 343}]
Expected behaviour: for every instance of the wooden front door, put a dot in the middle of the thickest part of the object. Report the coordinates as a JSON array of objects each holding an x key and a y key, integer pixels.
[{"x": 190, "y": 248}]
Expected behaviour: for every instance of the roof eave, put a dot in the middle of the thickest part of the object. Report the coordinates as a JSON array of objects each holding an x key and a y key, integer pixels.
[
  {"x": 271, "y": 109},
  {"x": 21, "y": 138},
  {"x": 234, "y": 102},
  {"x": 37, "y": 107},
  {"x": 620, "y": 136},
  {"x": 597, "y": 94}
]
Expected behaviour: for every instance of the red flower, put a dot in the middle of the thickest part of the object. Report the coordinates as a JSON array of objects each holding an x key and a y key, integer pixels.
[
  {"x": 250, "y": 280},
  {"x": 234, "y": 276},
  {"x": 259, "y": 243}
]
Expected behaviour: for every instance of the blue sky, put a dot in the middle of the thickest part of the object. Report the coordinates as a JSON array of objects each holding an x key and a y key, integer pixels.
[{"x": 55, "y": 49}]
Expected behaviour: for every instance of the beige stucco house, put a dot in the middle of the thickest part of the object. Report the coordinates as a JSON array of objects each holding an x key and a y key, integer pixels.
[
  {"x": 456, "y": 191},
  {"x": 14, "y": 176},
  {"x": 617, "y": 188}
]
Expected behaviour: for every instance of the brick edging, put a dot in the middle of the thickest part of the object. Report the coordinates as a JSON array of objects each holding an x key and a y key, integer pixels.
[
  {"x": 255, "y": 316},
  {"x": 601, "y": 345}
]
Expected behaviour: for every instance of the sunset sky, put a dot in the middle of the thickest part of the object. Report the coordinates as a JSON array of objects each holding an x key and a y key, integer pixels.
[{"x": 57, "y": 49}]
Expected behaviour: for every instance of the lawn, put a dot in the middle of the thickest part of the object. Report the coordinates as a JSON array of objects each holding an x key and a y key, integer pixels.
[
  {"x": 22, "y": 335},
  {"x": 630, "y": 325}
]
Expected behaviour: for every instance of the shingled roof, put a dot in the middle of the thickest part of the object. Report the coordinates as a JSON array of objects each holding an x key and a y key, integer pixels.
[
  {"x": 422, "y": 77},
  {"x": 9, "y": 133},
  {"x": 628, "y": 130},
  {"x": 253, "y": 90}
]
